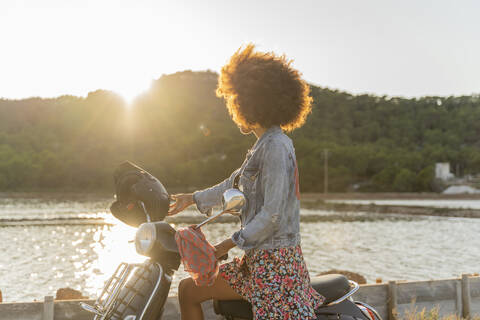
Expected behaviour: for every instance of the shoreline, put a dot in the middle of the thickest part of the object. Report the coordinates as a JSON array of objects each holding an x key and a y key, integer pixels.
[
  {"x": 391, "y": 209},
  {"x": 318, "y": 201},
  {"x": 307, "y": 196},
  {"x": 314, "y": 201}
]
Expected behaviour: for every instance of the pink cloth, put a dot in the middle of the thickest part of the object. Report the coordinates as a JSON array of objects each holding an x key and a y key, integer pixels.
[{"x": 198, "y": 255}]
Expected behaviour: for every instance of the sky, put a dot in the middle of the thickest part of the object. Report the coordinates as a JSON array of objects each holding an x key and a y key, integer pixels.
[{"x": 395, "y": 48}]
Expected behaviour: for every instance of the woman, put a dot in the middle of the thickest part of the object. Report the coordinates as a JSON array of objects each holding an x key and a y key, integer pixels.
[{"x": 264, "y": 95}]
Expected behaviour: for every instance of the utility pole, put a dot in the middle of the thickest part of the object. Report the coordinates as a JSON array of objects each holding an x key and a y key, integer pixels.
[{"x": 325, "y": 173}]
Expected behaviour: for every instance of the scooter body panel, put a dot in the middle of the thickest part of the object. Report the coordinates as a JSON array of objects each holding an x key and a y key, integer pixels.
[{"x": 344, "y": 310}]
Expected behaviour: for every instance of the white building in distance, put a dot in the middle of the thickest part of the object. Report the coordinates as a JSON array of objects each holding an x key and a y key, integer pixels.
[{"x": 442, "y": 171}]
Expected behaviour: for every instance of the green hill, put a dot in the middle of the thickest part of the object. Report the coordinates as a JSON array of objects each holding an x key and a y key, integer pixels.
[{"x": 182, "y": 133}]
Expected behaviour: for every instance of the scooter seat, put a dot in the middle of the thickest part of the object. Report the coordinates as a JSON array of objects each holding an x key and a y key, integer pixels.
[{"x": 331, "y": 286}]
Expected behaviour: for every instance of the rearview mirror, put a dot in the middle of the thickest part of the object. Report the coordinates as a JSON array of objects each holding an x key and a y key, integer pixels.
[{"x": 233, "y": 201}]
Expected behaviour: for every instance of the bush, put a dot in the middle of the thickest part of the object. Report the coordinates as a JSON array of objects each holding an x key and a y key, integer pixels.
[
  {"x": 404, "y": 181},
  {"x": 384, "y": 180},
  {"x": 425, "y": 179}
]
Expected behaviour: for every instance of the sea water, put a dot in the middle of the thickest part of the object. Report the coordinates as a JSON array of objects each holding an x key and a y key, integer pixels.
[{"x": 47, "y": 243}]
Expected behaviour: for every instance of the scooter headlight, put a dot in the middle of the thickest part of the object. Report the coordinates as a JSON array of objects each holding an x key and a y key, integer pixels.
[{"x": 145, "y": 238}]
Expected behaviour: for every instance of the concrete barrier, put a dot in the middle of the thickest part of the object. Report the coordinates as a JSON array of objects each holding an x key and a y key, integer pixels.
[
  {"x": 71, "y": 310},
  {"x": 459, "y": 297}
]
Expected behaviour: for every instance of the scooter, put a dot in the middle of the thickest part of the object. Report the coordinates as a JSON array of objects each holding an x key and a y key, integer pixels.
[{"x": 139, "y": 291}]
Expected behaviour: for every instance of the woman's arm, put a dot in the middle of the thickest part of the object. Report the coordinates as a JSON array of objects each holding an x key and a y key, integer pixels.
[
  {"x": 204, "y": 199},
  {"x": 223, "y": 247},
  {"x": 275, "y": 189}
]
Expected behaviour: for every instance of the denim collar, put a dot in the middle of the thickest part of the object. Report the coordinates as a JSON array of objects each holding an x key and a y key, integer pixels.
[{"x": 269, "y": 132}]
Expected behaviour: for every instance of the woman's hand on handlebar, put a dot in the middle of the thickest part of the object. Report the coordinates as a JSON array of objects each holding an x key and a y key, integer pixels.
[{"x": 181, "y": 202}]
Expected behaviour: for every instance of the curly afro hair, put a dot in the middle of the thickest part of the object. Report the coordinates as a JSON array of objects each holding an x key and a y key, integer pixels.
[{"x": 263, "y": 89}]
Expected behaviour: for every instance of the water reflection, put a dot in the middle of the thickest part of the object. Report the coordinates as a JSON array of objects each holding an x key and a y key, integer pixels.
[
  {"x": 36, "y": 260},
  {"x": 111, "y": 246}
]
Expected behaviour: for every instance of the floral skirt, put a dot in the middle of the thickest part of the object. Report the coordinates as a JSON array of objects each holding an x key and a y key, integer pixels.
[{"x": 276, "y": 282}]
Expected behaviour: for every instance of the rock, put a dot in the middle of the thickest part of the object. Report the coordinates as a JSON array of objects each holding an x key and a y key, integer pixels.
[
  {"x": 460, "y": 190},
  {"x": 69, "y": 294},
  {"x": 358, "y": 278}
]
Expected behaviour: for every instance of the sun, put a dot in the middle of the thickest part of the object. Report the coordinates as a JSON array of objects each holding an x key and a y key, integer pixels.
[
  {"x": 129, "y": 96},
  {"x": 131, "y": 89}
]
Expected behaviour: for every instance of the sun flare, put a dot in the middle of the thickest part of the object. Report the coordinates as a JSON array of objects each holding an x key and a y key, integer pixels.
[
  {"x": 131, "y": 90},
  {"x": 112, "y": 247}
]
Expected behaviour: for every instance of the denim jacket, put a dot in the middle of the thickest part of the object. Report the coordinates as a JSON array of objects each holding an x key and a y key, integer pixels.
[{"x": 269, "y": 180}]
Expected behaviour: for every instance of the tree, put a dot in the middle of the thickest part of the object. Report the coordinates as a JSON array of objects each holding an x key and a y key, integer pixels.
[{"x": 404, "y": 181}]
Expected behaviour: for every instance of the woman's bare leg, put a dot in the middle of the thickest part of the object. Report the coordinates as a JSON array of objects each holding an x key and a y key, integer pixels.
[{"x": 190, "y": 296}]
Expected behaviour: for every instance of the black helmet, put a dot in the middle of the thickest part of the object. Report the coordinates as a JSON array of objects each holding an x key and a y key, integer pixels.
[{"x": 134, "y": 185}]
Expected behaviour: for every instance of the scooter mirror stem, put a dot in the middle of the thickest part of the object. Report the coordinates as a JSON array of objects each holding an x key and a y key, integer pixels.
[
  {"x": 233, "y": 201},
  {"x": 209, "y": 219}
]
